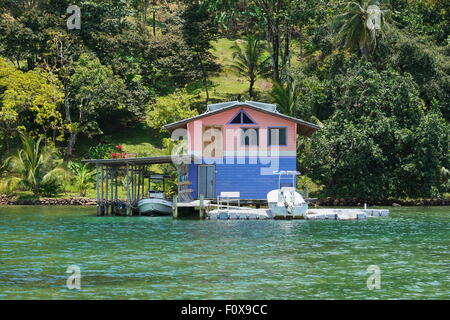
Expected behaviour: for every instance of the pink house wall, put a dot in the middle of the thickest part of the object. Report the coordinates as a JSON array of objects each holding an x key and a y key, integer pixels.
[{"x": 232, "y": 133}]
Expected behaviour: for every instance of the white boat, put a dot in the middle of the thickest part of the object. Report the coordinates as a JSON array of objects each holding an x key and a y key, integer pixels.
[
  {"x": 155, "y": 204},
  {"x": 286, "y": 201}
]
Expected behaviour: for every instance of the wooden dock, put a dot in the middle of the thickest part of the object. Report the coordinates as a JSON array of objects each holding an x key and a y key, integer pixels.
[{"x": 195, "y": 209}]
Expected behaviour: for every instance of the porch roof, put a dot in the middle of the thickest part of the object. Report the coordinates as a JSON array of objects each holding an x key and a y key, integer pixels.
[{"x": 142, "y": 160}]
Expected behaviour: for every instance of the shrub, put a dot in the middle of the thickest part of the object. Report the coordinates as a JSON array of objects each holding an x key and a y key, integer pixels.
[
  {"x": 100, "y": 151},
  {"x": 83, "y": 177},
  {"x": 380, "y": 142},
  {"x": 170, "y": 108}
]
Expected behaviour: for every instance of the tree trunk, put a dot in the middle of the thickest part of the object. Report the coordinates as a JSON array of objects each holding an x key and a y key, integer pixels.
[
  {"x": 72, "y": 138},
  {"x": 70, "y": 146},
  {"x": 300, "y": 40},
  {"x": 205, "y": 76},
  {"x": 30, "y": 63},
  {"x": 250, "y": 89},
  {"x": 6, "y": 136},
  {"x": 287, "y": 52},
  {"x": 273, "y": 38},
  {"x": 154, "y": 23},
  {"x": 144, "y": 12}
]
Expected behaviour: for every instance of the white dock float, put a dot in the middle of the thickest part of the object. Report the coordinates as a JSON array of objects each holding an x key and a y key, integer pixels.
[
  {"x": 344, "y": 214},
  {"x": 311, "y": 214},
  {"x": 239, "y": 214}
]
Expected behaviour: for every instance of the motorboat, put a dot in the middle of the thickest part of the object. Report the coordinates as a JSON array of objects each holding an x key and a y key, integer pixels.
[
  {"x": 286, "y": 201},
  {"x": 156, "y": 203}
]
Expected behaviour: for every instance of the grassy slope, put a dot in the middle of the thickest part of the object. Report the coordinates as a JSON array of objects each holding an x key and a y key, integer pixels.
[
  {"x": 144, "y": 141},
  {"x": 141, "y": 140},
  {"x": 226, "y": 84}
]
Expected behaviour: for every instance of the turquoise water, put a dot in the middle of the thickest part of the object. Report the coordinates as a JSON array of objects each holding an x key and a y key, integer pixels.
[{"x": 161, "y": 258}]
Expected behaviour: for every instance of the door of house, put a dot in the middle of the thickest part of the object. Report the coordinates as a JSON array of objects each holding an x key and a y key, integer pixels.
[{"x": 207, "y": 181}]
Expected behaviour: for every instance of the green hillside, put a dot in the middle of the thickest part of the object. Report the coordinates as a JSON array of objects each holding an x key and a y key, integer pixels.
[{"x": 375, "y": 75}]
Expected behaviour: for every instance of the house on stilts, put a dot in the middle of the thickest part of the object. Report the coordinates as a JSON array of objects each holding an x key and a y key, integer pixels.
[
  {"x": 237, "y": 146},
  {"x": 234, "y": 147}
]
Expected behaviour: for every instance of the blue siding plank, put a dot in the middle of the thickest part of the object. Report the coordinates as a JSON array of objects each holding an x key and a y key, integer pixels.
[{"x": 245, "y": 178}]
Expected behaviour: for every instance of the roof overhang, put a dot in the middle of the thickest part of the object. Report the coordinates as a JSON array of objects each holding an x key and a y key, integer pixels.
[
  {"x": 304, "y": 128},
  {"x": 142, "y": 160}
]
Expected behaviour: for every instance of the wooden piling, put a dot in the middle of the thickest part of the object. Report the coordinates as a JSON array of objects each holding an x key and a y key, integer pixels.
[
  {"x": 129, "y": 211},
  {"x": 116, "y": 197},
  {"x": 102, "y": 207},
  {"x": 175, "y": 207},
  {"x": 106, "y": 192},
  {"x": 144, "y": 194},
  {"x": 202, "y": 207},
  {"x": 133, "y": 184},
  {"x": 97, "y": 189},
  {"x": 139, "y": 172}
]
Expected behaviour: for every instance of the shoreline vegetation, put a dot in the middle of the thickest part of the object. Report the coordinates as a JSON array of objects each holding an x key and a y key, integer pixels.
[
  {"x": 84, "y": 201},
  {"x": 374, "y": 75}
]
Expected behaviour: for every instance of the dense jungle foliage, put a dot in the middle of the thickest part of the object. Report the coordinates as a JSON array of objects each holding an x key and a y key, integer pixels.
[{"x": 373, "y": 74}]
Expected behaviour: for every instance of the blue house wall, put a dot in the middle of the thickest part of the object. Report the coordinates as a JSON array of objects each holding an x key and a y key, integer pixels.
[{"x": 243, "y": 177}]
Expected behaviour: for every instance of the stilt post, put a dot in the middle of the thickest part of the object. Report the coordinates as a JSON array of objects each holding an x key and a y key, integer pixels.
[
  {"x": 202, "y": 206},
  {"x": 97, "y": 189},
  {"x": 175, "y": 207},
  {"x": 128, "y": 190},
  {"x": 107, "y": 192},
  {"x": 102, "y": 203}
]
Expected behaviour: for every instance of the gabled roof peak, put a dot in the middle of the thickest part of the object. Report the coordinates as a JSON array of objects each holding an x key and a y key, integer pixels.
[{"x": 303, "y": 127}]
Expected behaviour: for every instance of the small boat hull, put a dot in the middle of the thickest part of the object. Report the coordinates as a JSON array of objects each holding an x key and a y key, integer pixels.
[
  {"x": 278, "y": 209},
  {"x": 286, "y": 202},
  {"x": 153, "y": 206}
]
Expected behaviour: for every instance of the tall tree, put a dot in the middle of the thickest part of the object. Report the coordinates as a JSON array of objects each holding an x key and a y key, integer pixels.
[
  {"x": 380, "y": 143},
  {"x": 250, "y": 61},
  {"x": 95, "y": 91},
  {"x": 29, "y": 99},
  {"x": 361, "y": 25},
  {"x": 286, "y": 97},
  {"x": 199, "y": 30},
  {"x": 277, "y": 17}
]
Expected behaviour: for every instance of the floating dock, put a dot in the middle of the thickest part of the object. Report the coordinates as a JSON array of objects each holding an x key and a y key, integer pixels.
[
  {"x": 311, "y": 214},
  {"x": 240, "y": 214},
  {"x": 345, "y": 214}
]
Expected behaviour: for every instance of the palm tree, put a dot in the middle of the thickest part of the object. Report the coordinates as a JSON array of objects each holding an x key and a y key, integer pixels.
[
  {"x": 361, "y": 25},
  {"x": 35, "y": 167},
  {"x": 4, "y": 166},
  {"x": 286, "y": 97},
  {"x": 250, "y": 61},
  {"x": 84, "y": 177}
]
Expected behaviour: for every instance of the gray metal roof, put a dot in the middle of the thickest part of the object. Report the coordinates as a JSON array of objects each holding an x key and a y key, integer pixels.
[
  {"x": 304, "y": 128},
  {"x": 262, "y": 105},
  {"x": 221, "y": 105}
]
